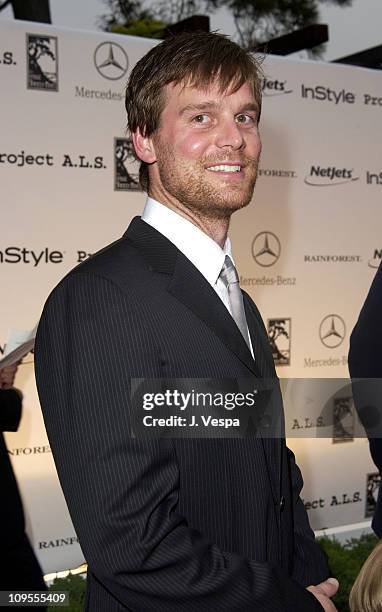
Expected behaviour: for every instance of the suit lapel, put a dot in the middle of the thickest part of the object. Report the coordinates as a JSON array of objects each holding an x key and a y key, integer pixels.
[
  {"x": 190, "y": 287},
  {"x": 257, "y": 339},
  {"x": 271, "y": 446}
]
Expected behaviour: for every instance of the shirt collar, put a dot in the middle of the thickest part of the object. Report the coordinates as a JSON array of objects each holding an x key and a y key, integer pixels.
[{"x": 206, "y": 255}]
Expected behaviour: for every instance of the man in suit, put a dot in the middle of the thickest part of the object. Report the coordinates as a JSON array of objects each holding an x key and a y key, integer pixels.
[
  {"x": 365, "y": 362},
  {"x": 176, "y": 525}
]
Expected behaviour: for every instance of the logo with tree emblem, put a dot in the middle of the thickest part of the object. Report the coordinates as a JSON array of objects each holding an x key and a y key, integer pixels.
[
  {"x": 126, "y": 166},
  {"x": 373, "y": 482},
  {"x": 343, "y": 419},
  {"x": 42, "y": 62},
  {"x": 279, "y": 334}
]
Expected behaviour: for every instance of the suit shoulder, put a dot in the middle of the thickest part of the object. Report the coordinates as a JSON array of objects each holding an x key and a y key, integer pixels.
[
  {"x": 113, "y": 261},
  {"x": 119, "y": 264}
]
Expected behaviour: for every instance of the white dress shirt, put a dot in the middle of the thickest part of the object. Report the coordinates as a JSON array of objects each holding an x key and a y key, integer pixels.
[{"x": 206, "y": 255}]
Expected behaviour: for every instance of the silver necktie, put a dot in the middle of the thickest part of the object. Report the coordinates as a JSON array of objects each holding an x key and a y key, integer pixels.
[{"x": 230, "y": 278}]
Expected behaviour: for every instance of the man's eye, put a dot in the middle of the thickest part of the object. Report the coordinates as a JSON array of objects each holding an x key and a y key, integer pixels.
[
  {"x": 200, "y": 118},
  {"x": 245, "y": 118}
]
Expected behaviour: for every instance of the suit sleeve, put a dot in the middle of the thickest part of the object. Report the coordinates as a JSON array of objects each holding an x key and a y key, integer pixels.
[
  {"x": 365, "y": 363},
  {"x": 366, "y": 340},
  {"x": 365, "y": 367},
  {"x": 310, "y": 565},
  {"x": 122, "y": 493}
]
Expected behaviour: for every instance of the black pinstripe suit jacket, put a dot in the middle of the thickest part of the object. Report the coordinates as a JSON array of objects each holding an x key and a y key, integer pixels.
[
  {"x": 365, "y": 362},
  {"x": 166, "y": 525}
]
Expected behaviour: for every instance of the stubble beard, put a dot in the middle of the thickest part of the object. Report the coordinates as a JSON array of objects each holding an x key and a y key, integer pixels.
[{"x": 188, "y": 185}]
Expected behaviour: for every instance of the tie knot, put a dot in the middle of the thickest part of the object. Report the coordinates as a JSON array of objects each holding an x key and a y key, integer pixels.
[{"x": 228, "y": 273}]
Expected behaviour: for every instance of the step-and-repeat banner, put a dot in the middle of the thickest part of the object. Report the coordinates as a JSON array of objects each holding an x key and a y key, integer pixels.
[{"x": 307, "y": 247}]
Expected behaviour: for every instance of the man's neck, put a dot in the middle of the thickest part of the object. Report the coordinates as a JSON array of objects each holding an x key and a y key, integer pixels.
[{"x": 215, "y": 228}]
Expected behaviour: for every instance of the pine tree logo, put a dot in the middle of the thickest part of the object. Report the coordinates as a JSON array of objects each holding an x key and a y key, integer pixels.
[{"x": 42, "y": 62}]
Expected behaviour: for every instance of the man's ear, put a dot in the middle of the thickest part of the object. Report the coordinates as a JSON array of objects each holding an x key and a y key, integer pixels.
[{"x": 144, "y": 147}]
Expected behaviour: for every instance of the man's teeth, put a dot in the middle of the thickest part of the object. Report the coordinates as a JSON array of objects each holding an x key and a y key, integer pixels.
[{"x": 225, "y": 168}]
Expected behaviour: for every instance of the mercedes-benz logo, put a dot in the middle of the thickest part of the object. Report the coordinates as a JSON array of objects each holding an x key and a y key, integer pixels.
[
  {"x": 111, "y": 60},
  {"x": 266, "y": 249},
  {"x": 332, "y": 331}
]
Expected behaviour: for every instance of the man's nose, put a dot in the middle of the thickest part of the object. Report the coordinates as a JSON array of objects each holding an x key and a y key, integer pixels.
[{"x": 228, "y": 134}]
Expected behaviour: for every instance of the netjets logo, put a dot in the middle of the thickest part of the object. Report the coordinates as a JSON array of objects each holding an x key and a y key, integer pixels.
[
  {"x": 332, "y": 331},
  {"x": 274, "y": 87},
  {"x": 111, "y": 61},
  {"x": 126, "y": 167},
  {"x": 42, "y": 62},
  {"x": 376, "y": 259},
  {"x": 266, "y": 249},
  {"x": 329, "y": 176}
]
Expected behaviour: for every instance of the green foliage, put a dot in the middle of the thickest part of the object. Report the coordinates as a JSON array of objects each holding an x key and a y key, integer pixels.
[
  {"x": 172, "y": 11},
  {"x": 122, "y": 12},
  {"x": 148, "y": 28},
  {"x": 126, "y": 14},
  {"x": 256, "y": 21},
  {"x": 76, "y": 586},
  {"x": 345, "y": 562}
]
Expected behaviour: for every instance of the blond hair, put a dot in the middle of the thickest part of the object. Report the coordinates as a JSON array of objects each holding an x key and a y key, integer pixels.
[{"x": 366, "y": 593}]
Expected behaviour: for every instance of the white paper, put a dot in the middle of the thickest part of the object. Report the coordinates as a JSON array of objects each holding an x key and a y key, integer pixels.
[{"x": 19, "y": 343}]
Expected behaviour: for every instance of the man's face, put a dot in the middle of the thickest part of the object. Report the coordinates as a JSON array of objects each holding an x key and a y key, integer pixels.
[{"x": 207, "y": 149}]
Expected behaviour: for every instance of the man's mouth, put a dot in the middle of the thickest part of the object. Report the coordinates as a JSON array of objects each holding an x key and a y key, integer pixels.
[{"x": 225, "y": 168}]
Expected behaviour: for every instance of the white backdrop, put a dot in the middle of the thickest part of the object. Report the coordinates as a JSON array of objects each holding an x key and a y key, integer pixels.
[{"x": 306, "y": 248}]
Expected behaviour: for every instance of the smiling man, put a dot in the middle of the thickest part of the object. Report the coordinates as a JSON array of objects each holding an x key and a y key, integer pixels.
[
  {"x": 176, "y": 525},
  {"x": 204, "y": 154}
]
